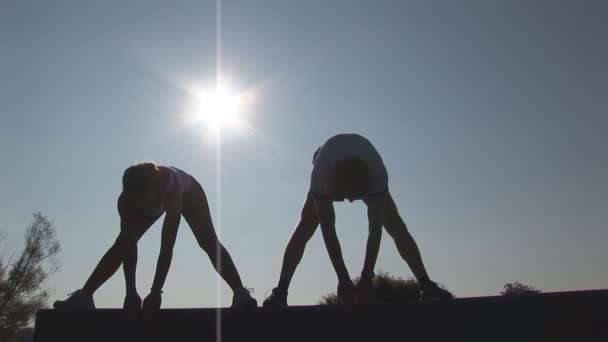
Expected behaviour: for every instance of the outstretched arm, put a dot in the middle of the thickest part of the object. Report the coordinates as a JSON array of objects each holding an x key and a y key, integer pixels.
[
  {"x": 127, "y": 241},
  {"x": 375, "y": 215},
  {"x": 327, "y": 217},
  {"x": 168, "y": 236}
]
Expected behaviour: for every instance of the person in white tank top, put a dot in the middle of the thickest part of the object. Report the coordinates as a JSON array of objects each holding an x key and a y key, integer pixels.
[
  {"x": 344, "y": 147},
  {"x": 149, "y": 191},
  {"x": 348, "y": 166}
]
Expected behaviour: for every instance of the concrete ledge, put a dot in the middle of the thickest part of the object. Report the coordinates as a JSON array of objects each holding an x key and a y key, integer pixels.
[{"x": 563, "y": 316}]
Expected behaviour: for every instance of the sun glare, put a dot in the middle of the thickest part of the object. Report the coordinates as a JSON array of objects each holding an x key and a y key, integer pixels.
[{"x": 219, "y": 107}]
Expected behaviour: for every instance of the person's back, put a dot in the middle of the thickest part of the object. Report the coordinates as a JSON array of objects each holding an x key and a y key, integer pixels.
[{"x": 346, "y": 156}]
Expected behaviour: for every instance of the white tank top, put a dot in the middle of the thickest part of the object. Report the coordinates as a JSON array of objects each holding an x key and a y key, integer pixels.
[{"x": 343, "y": 146}]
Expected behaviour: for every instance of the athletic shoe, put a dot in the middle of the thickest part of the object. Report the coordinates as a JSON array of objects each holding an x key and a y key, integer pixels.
[
  {"x": 152, "y": 302},
  {"x": 346, "y": 294},
  {"x": 432, "y": 290},
  {"x": 77, "y": 300},
  {"x": 131, "y": 307},
  {"x": 242, "y": 299},
  {"x": 132, "y": 302},
  {"x": 365, "y": 292},
  {"x": 277, "y": 299}
]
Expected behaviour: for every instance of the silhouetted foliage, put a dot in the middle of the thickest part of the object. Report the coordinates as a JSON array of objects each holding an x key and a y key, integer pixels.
[
  {"x": 518, "y": 289},
  {"x": 23, "y": 335},
  {"x": 388, "y": 289},
  {"x": 22, "y": 277},
  {"x": 329, "y": 299}
]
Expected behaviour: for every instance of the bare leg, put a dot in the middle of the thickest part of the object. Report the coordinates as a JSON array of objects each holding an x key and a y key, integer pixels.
[
  {"x": 407, "y": 247},
  {"x": 295, "y": 248},
  {"x": 202, "y": 226},
  {"x": 108, "y": 265}
]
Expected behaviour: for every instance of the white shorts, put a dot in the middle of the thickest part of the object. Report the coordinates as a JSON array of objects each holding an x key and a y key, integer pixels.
[{"x": 343, "y": 146}]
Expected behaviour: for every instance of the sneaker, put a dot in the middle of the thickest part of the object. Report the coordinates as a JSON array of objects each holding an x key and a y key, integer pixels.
[
  {"x": 132, "y": 302},
  {"x": 364, "y": 294},
  {"x": 131, "y": 307},
  {"x": 152, "y": 302},
  {"x": 346, "y": 294},
  {"x": 242, "y": 299},
  {"x": 77, "y": 300},
  {"x": 277, "y": 299},
  {"x": 432, "y": 290}
]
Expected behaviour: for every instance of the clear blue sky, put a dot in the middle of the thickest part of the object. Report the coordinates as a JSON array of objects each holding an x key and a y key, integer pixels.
[{"x": 491, "y": 117}]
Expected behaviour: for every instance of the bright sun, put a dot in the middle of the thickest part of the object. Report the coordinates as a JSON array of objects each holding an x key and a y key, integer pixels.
[{"x": 219, "y": 107}]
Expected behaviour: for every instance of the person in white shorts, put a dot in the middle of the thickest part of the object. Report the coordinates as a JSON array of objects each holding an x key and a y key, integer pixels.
[
  {"x": 348, "y": 166},
  {"x": 149, "y": 190}
]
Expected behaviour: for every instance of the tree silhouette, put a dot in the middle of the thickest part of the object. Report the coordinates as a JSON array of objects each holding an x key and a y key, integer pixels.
[
  {"x": 518, "y": 289},
  {"x": 22, "y": 278},
  {"x": 388, "y": 289}
]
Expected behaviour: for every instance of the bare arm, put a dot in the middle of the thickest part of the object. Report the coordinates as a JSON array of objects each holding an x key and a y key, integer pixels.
[
  {"x": 375, "y": 212},
  {"x": 131, "y": 228},
  {"x": 327, "y": 217},
  {"x": 128, "y": 247},
  {"x": 168, "y": 236}
]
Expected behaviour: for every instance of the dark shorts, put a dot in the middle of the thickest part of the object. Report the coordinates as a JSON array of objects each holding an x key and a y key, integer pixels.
[
  {"x": 150, "y": 219},
  {"x": 194, "y": 202}
]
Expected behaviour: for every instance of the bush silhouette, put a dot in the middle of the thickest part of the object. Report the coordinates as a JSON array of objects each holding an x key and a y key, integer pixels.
[
  {"x": 388, "y": 289},
  {"x": 518, "y": 289}
]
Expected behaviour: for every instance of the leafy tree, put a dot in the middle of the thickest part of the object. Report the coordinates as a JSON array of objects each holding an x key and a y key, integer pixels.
[
  {"x": 22, "y": 277},
  {"x": 388, "y": 289},
  {"x": 519, "y": 289}
]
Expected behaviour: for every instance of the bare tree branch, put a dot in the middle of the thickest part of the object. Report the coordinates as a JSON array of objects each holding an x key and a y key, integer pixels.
[{"x": 22, "y": 278}]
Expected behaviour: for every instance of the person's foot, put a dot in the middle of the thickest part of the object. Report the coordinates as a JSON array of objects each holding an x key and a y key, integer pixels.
[
  {"x": 242, "y": 299},
  {"x": 365, "y": 292},
  {"x": 77, "y": 300},
  {"x": 132, "y": 307},
  {"x": 152, "y": 302},
  {"x": 346, "y": 293},
  {"x": 431, "y": 290},
  {"x": 132, "y": 302},
  {"x": 277, "y": 299}
]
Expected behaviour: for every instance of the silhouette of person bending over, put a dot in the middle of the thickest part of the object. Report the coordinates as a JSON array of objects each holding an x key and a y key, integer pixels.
[
  {"x": 347, "y": 166},
  {"x": 149, "y": 190}
]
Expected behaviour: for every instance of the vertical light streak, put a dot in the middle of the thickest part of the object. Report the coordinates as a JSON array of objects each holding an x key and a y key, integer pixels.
[{"x": 218, "y": 170}]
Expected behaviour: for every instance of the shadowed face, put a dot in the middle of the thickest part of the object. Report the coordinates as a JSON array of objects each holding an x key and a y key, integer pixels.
[{"x": 351, "y": 179}]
